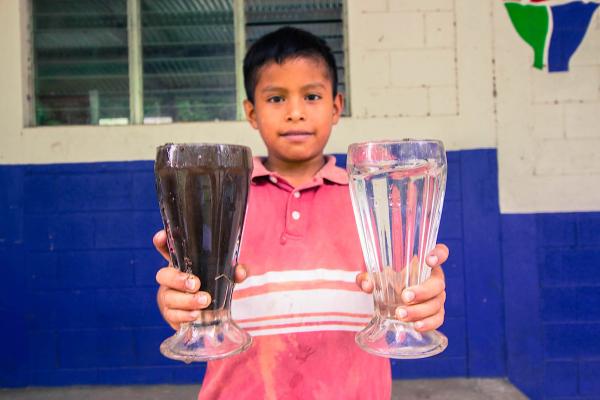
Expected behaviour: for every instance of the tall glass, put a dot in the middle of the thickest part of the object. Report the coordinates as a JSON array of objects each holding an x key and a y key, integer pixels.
[
  {"x": 202, "y": 191},
  {"x": 397, "y": 190}
]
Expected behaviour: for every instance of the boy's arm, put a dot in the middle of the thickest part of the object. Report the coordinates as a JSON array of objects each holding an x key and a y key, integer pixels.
[
  {"x": 424, "y": 304},
  {"x": 179, "y": 297}
]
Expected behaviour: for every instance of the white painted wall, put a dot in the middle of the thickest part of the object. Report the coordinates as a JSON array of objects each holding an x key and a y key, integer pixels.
[
  {"x": 548, "y": 125},
  {"x": 418, "y": 68}
]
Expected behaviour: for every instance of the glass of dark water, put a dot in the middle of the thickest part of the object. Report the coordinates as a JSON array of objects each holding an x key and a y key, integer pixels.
[
  {"x": 202, "y": 191},
  {"x": 397, "y": 190}
]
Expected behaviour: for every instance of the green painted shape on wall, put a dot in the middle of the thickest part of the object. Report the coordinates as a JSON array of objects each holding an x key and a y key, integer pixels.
[{"x": 531, "y": 23}]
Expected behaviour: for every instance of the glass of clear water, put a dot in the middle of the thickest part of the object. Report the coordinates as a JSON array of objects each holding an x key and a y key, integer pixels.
[{"x": 397, "y": 190}]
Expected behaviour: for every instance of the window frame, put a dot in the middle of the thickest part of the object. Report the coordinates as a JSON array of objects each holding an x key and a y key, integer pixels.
[{"x": 136, "y": 63}]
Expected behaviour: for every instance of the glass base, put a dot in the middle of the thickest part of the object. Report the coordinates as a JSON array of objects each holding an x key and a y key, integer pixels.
[
  {"x": 395, "y": 339},
  {"x": 210, "y": 337}
]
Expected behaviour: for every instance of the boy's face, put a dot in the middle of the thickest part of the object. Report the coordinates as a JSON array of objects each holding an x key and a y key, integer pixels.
[{"x": 294, "y": 109}]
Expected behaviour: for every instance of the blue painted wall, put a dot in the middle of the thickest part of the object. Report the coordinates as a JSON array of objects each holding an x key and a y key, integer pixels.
[
  {"x": 78, "y": 292},
  {"x": 552, "y": 292}
]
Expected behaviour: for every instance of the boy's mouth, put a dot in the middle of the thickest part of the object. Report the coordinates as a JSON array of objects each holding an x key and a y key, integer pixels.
[{"x": 296, "y": 134}]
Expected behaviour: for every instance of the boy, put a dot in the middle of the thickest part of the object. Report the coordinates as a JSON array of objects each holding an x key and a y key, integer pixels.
[{"x": 301, "y": 256}]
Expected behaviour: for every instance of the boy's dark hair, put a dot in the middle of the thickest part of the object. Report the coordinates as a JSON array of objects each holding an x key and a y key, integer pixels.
[{"x": 281, "y": 45}]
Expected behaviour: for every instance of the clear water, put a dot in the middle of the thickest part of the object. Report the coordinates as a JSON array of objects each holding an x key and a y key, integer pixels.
[{"x": 398, "y": 210}]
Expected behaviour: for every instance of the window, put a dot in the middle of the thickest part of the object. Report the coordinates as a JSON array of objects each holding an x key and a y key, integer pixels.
[
  {"x": 189, "y": 60},
  {"x": 80, "y": 58},
  {"x": 158, "y": 61},
  {"x": 322, "y": 18}
]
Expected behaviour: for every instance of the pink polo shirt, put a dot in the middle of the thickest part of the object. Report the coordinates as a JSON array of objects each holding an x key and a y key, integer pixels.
[{"x": 300, "y": 301}]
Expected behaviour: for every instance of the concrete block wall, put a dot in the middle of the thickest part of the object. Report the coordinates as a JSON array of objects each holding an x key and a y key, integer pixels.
[
  {"x": 552, "y": 293},
  {"x": 570, "y": 301},
  {"x": 412, "y": 70},
  {"x": 548, "y": 135},
  {"x": 567, "y": 112},
  {"x": 548, "y": 123},
  {"x": 524, "y": 204},
  {"x": 84, "y": 277}
]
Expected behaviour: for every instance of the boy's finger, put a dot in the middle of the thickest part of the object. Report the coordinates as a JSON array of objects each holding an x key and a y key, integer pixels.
[
  {"x": 241, "y": 272},
  {"x": 364, "y": 282},
  {"x": 174, "y": 299},
  {"x": 160, "y": 242},
  {"x": 429, "y": 289},
  {"x": 430, "y": 323},
  {"x": 178, "y": 317},
  {"x": 421, "y": 311},
  {"x": 177, "y": 280},
  {"x": 438, "y": 255}
]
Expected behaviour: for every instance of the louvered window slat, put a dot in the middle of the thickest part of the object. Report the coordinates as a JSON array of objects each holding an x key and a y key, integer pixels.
[{"x": 189, "y": 65}]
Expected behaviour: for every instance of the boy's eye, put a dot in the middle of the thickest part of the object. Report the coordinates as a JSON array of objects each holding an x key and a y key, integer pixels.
[
  {"x": 312, "y": 97},
  {"x": 275, "y": 99}
]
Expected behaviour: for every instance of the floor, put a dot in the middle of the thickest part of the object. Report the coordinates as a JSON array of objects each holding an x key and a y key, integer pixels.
[{"x": 430, "y": 389}]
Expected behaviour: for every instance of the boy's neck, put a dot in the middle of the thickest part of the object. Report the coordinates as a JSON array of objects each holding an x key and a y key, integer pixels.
[{"x": 296, "y": 173}]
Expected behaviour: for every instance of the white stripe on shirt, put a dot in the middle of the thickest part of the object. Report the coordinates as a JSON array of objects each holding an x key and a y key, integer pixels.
[
  {"x": 298, "y": 329},
  {"x": 302, "y": 302},
  {"x": 298, "y": 276}
]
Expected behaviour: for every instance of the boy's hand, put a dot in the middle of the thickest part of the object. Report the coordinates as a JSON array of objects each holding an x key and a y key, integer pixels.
[
  {"x": 179, "y": 297},
  {"x": 424, "y": 304}
]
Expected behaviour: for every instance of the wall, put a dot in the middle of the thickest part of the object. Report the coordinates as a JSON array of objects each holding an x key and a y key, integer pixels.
[
  {"x": 548, "y": 133},
  {"x": 521, "y": 215},
  {"x": 445, "y": 108},
  {"x": 83, "y": 267},
  {"x": 552, "y": 295},
  {"x": 81, "y": 292},
  {"x": 477, "y": 91},
  {"x": 548, "y": 124}
]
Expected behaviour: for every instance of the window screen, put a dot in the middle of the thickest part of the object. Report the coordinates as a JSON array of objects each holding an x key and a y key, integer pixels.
[
  {"x": 189, "y": 59},
  {"x": 80, "y": 57},
  {"x": 320, "y": 17},
  {"x": 189, "y": 67}
]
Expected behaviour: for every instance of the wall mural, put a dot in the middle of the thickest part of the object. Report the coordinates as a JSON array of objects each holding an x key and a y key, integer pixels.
[{"x": 553, "y": 28}]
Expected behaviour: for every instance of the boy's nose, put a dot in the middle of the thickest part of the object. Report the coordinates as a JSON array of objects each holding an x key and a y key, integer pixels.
[{"x": 295, "y": 111}]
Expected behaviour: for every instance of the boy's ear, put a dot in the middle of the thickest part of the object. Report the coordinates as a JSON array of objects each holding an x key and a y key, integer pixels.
[
  {"x": 338, "y": 107},
  {"x": 250, "y": 113}
]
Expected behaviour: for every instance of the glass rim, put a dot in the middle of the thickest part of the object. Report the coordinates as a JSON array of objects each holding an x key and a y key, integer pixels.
[
  {"x": 201, "y": 144},
  {"x": 395, "y": 141}
]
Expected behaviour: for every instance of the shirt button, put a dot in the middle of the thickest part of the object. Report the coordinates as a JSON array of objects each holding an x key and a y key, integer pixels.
[
  {"x": 273, "y": 179},
  {"x": 297, "y": 195},
  {"x": 296, "y": 215}
]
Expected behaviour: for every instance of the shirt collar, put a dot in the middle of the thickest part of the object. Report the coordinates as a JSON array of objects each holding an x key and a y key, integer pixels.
[{"x": 329, "y": 171}]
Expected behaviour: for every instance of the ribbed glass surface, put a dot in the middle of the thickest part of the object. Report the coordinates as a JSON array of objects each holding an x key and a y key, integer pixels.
[{"x": 81, "y": 62}]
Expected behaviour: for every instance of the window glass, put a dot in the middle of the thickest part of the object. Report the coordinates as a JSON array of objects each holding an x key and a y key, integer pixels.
[
  {"x": 81, "y": 61},
  {"x": 189, "y": 60},
  {"x": 80, "y": 55},
  {"x": 323, "y": 18}
]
